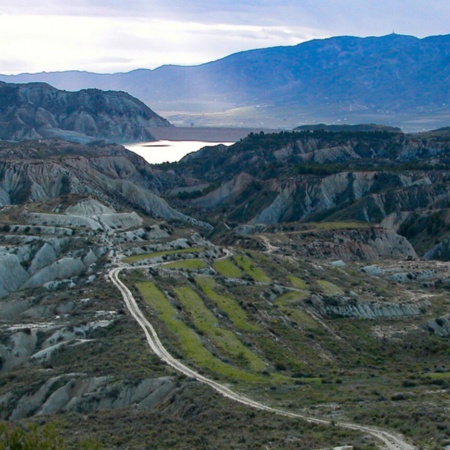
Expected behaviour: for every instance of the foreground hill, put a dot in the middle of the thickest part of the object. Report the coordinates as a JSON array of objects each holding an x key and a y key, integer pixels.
[
  {"x": 37, "y": 110},
  {"x": 320, "y": 80},
  {"x": 377, "y": 177}
]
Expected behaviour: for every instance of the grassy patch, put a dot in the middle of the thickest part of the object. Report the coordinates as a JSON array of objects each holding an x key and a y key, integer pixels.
[
  {"x": 205, "y": 321},
  {"x": 340, "y": 225},
  {"x": 227, "y": 304},
  {"x": 439, "y": 375},
  {"x": 226, "y": 268},
  {"x": 291, "y": 297},
  {"x": 248, "y": 266},
  {"x": 188, "y": 340},
  {"x": 329, "y": 288},
  {"x": 186, "y": 264},
  {"x": 297, "y": 282},
  {"x": 287, "y": 304},
  {"x": 136, "y": 258}
]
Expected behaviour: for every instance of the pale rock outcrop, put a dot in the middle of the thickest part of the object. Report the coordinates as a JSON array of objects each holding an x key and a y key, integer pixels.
[
  {"x": 66, "y": 267},
  {"x": 18, "y": 348},
  {"x": 120, "y": 220},
  {"x": 4, "y": 197},
  {"x": 108, "y": 175},
  {"x": 440, "y": 326},
  {"x": 12, "y": 274},
  {"x": 24, "y": 344},
  {"x": 90, "y": 258},
  {"x": 225, "y": 192},
  {"x": 44, "y": 257},
  {"x": 274, "y": 213},
  {"x": 350, "y": 307},
  {"x": 440, "y": 251},
  {"x": 88, "y": 208},
  {"x": 61, "y": 220},
  {"x": 78, "y": 393}
]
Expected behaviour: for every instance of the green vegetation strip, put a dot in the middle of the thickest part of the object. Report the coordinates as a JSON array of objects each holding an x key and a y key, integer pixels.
[
  {"x": 248, "y": 266},
  {"x": 226, "y": 268},
  {"x": 186, "y": 264},
  {"x": 439, "y": 375},
  {"x": 205, "y": 321},
  {"x": 340, "y": 225},
  {"x": 135, "y": 258},
  {"x": 227, "y": 304},
  {"x": 329, "y": 288},
  {"x": 286, "y": 303},
  {"x": 189, "y": 341},
  {"x": 291, "y": 297},
  {"x": 297, "y": 282}
]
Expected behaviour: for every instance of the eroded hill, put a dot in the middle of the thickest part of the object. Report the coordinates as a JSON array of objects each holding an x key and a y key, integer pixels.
[
  {"x": 377, "y": 177},
  {"x": 38, "y": 110}
]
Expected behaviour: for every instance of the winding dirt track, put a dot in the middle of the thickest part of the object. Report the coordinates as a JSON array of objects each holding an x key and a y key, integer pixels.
[{"x": 390, "y": 440}]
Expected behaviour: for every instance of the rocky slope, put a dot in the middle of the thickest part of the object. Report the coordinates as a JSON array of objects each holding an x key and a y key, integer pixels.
[
  {"x": 330, "y": 241},
  {"x": 39, "y": 171},
  {"x": 38, "y": 110},
  {"x": 346, "y": 175}
]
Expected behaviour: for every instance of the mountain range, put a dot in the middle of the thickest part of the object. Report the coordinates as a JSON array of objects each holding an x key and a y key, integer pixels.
[{"x": 395, "y": 79}]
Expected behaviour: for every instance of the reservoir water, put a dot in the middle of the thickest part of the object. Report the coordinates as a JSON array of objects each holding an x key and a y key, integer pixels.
[{"x": 158, "y": 152}]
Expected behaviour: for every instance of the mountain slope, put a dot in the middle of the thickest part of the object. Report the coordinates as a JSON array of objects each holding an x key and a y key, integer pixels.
[
  {"x": 377, "y": 177},
  {"x": 329, "y": 78},
  {"x": 37, "y": 110}
]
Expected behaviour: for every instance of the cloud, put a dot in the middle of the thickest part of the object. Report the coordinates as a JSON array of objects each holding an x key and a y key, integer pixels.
[
  {"x": 108, "y": 44},
  {"x": 113, "y": 35}
]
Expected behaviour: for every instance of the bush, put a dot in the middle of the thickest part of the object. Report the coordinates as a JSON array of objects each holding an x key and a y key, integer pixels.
[{"x": 31, "y": 438}]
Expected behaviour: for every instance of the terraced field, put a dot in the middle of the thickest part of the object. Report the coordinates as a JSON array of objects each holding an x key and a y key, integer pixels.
[{"x": 263, "y": 332}]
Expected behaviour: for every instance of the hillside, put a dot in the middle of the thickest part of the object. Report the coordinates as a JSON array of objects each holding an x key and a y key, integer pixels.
[
  {"x": 376, "y": 177},
  {"x": 38, "y": 110},
  {"x": 337, "y": 321},
  {"x": 40, "y": 171},
  {"x": 394, "y": 78}
]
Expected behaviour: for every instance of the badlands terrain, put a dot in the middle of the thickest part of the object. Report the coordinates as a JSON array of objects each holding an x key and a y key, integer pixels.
[{"x": 304, "y": 272}]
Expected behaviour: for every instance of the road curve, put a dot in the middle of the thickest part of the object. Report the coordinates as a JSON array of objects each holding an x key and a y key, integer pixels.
[{"x": 391, "y": 441}]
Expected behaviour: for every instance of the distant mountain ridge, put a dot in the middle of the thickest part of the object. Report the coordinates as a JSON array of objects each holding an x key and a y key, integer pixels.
[
  {"x": 320, "y": 80},
  {"x": 38, "y": 110}
]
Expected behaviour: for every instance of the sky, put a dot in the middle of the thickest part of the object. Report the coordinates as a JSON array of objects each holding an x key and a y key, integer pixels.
[{"x": 108, "y": 36}]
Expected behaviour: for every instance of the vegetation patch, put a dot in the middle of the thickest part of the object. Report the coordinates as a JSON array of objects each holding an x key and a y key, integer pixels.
[
  {"x": 439, "y": 375},
  {"x": 226, "y": 303},
  {"x": 188, "y": 341},
  {"x": 136, "y": 258},
  {"x": 190, "y": 264},
  {"x": 329, "y": 288},
  {"x": 207, "y": 324},
  {"x": 249, "y": 267},
  {"x": 297, "y": 282},
  {"x": 226, "y": 268}
]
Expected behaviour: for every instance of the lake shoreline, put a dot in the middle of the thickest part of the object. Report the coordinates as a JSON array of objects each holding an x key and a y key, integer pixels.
[
  {"x": 207, "y": 134},
  {"x": 163, "y": 151}
]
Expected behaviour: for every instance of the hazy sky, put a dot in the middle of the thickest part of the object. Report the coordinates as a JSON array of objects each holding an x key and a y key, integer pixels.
[{"x": 118, "y": 36}]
